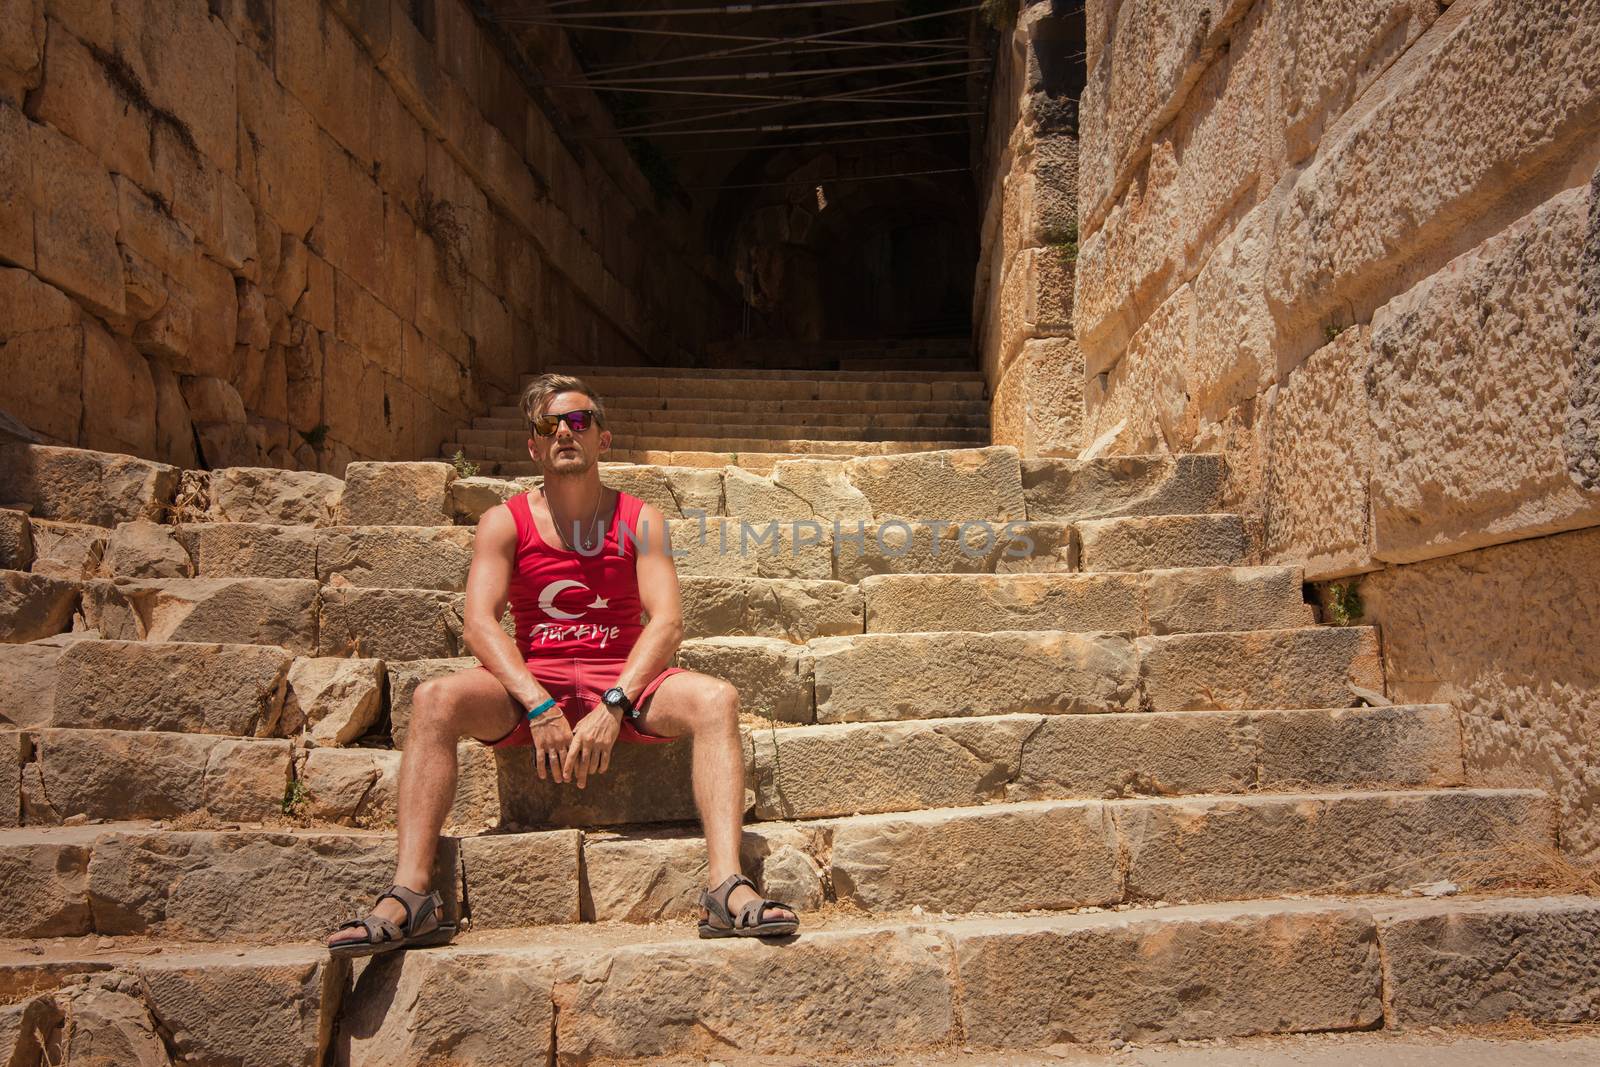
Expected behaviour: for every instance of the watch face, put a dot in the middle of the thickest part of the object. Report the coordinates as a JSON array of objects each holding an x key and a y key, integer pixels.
[{"x": 614, "y": 695}]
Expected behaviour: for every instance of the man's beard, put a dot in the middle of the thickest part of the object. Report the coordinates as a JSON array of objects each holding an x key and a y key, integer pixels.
[{"x": 580, "y": 462}]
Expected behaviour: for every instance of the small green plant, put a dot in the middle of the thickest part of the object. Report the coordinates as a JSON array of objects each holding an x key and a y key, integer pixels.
[
  {"x": 1341, "y": 604},
  {"x": 1063, "y": 238},
  {"x": 1333, "y": 330},
  {"x": 295, "y": 799},
  {"x": 464, "y": 466},
  {"x": 316, "y": 436}
]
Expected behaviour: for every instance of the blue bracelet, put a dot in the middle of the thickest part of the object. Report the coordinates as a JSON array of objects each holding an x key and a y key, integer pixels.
[{"x": 534, "y": 713}]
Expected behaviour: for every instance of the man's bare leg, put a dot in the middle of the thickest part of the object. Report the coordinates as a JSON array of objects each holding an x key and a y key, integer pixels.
[
  {"x": 469, "y": 703},
  {"x": 706, "y": 709}
]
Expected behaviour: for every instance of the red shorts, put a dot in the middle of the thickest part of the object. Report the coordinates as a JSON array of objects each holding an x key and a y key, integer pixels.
[{"x": 576, "y": 686}]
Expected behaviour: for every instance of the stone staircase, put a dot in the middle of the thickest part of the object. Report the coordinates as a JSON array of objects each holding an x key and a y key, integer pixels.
[
  {"x": 684, "y": 416},
  {"x": 1122, "y": 787}
]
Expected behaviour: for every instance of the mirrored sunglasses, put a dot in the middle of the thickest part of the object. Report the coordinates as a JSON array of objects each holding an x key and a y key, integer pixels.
[{"x": 577, "y": 421}]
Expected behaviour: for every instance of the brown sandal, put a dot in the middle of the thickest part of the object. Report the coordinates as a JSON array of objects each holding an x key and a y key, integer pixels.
[
  {"x": 751, "y": 920},
  {"x": 422, "y": 926}
]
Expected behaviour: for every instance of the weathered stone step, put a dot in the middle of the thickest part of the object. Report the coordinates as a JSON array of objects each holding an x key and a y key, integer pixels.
[
  {"x": 867, "y": 388},
  {"x": 719, "y": 428},
  {"x": 1072, "y": 489},
  {"x": 812, "y": 772},
  {"x": 61, "y": 774},
  {"x": 800, "y": 412},
  {"x": 766, "y": 405},
  {"x": 695, "y": 438},
  {"x": 147, "y": 1000},
  {"x": 847, "y": 988},
  {"x": 265, "y": 883},
  {"x": 1053, "y": 855},
  {"x": 764, "y": 374},
  {"x": 877, "y": 677},
  {"x": 1183, "y": 600}
]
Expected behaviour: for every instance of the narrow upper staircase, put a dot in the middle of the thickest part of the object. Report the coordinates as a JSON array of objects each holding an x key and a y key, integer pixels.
[
  {"x": 753, "y": 418},
  {"x": 1120, "y": 786}
]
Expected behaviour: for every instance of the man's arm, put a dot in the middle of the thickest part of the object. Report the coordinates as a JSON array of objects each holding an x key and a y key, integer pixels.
[
  {"x": 494, "y": 551},
  {"x": 659, "y": 593},
  {"x": 589, "y": 751}
]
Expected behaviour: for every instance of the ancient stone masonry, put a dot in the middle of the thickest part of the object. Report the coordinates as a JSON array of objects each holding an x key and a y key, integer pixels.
[
  {"x": 1351, "y": 246},
  {"x": 1120, "y": 787},
  {"x": 295, "y": 234},
  {"x": 1029, "y": 240}
]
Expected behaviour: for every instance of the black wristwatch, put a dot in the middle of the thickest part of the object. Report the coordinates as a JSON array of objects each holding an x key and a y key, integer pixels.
[{"x": 616, "y": 698}]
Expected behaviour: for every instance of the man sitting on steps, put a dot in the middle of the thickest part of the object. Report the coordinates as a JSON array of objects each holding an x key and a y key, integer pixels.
[{"x": 577, "y": 562}]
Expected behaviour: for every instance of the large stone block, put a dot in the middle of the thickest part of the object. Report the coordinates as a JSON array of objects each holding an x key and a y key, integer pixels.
[
  {"x": 16, "y": 540},
  {"x": 427, "y": 1007},
  {"x": 679, "y": 492},
  {"x": 47, "y": 882},
  {"x": 249, "y": 550},
  {"x": 279, "y": 151},
  {"x": 908, "y": 603},
  {"x": 144, "y": 549},
  {"x": 243, "y": 885},
  {"x": 773, "y": 676},
  {"x": 1403, "y": 745},
  {"x": 245, "y": 611},
  {"x": 1038, "y": 404},
  {"x": 178, "y": 687},
  {"x": 851, "y": 768},
  {"x": 522, "y": 879},
  {"x": 645, "y": 783},
  {"x": 1198, "y": 972},
  {"x": 333, "y": 700},
  {"x": 979, "y": 483},
  {"x": 790, "y": 608},
  {"x": 1438, "y": 155},
  {"x": 848, "y": 993},
  {"x": 77, "y": 485},
  {"x": 1139, "y": 543},
  {"x": 1488, "y": 342},
  {"x": 1069, "y": 489},
  {"x": 143, "y": 774},
  {"x": 1320, "y": 437},
  {"x": 16, "y": 188},
  {"x": 1304, "y": 668},
  {"x": 358, "y": 787},
  {"x": 75, "y": 222},
  {"x": 33, "y": 606},
  {"x": 183, "y": 59},
  {"x": 646, "y": 876},
  {"x": 391, "y": 624},
  {"x": 264, "y": 494},
  {"x": 1219, "y": 848},
  {"x": 273, "y": 1008},
  {"x": 413, "y": 557},
  {"x": 865, "y": 678},
  {"x": 1450, "y": 963},
  {"x": 1148, "y": 60},
  {"x": 28, "y": 680},
  {"x": 70, "y": 551},
  {"x": 1039, "y": 855},
  {"x": 397, "y": 494},
  {"x": 971, "y": 547},
  {"x": 1506, "y": 634}
]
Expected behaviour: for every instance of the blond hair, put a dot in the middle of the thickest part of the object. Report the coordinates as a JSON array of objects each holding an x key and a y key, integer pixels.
[{"x": 538, "y": 393}]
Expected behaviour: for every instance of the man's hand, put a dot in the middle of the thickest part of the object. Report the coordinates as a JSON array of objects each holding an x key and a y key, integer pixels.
[
  {"x": 589, "y": 751},
  {"x": 552, "y": 735}
]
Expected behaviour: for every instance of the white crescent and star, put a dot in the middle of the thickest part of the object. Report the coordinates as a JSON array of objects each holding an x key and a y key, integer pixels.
[{"x": 547, "y": 599}]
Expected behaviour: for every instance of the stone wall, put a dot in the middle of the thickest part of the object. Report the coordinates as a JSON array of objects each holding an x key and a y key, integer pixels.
[
  {"x": 1355, "y": 246},
  {"x": 300, "y": 232},
  {"x": 1022, "y": 303}
]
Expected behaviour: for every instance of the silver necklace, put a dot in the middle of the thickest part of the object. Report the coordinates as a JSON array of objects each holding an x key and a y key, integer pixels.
[{"x": 583, "y": 541}]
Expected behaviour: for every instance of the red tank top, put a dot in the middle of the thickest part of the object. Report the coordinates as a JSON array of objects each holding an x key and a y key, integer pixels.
[{"x": 569, "y": 604}]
